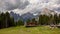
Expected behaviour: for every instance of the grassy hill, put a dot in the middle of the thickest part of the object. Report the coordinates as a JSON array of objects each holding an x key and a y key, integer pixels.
[{"x": 30, "y": 30}]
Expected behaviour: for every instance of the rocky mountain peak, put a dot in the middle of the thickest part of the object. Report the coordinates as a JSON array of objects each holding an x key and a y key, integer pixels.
[{"x": 47, "y": 11}]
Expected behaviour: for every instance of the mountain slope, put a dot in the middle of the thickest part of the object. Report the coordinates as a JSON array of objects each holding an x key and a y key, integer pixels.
[
  {"x": 27, "y": 16},
  {"x": 24, "y": 17},
  {"x": 16, "y": 16}
]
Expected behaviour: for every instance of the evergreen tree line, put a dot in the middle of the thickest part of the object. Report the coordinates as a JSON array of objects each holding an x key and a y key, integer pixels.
[
  {"x": 46, "y": 19},
  {"x": 8, "y": 21},
  {"x": 49, "y": 20}
]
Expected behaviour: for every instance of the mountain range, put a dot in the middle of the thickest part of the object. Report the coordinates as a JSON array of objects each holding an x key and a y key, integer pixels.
[
  {"x": 24, "y": 17},
  {"x": 30, "y": 15}
]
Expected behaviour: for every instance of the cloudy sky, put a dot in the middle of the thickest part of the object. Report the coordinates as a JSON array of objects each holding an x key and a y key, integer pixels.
[{"x": 24, "y": 6}]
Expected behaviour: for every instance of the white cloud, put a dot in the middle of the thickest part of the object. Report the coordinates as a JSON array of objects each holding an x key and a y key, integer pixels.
[{"x": 24, "y": 6}]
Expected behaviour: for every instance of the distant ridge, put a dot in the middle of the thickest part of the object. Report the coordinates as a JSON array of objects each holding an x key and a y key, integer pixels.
[{"x": 30, "y": 15}]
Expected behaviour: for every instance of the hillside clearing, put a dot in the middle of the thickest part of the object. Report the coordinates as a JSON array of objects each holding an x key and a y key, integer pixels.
[{"x": 30, "y": 30}]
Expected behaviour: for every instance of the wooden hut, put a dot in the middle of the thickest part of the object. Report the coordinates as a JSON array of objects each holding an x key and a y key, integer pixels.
[{"x": 31, "y": 24}]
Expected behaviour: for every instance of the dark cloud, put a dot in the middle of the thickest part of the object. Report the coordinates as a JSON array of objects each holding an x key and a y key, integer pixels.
[
  {"x": 57, "y": 9},
  {"x": 23, "y": 5},
  {"x": 13, "y": 4},
  {"x": 58, "y": 2}
]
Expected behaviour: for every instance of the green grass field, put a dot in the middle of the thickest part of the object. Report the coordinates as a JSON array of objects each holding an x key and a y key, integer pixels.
[{"x": 30, "y": 30}]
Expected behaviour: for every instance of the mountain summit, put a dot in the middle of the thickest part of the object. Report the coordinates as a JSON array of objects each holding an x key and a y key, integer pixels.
[{"x": 48, "y": 12}]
